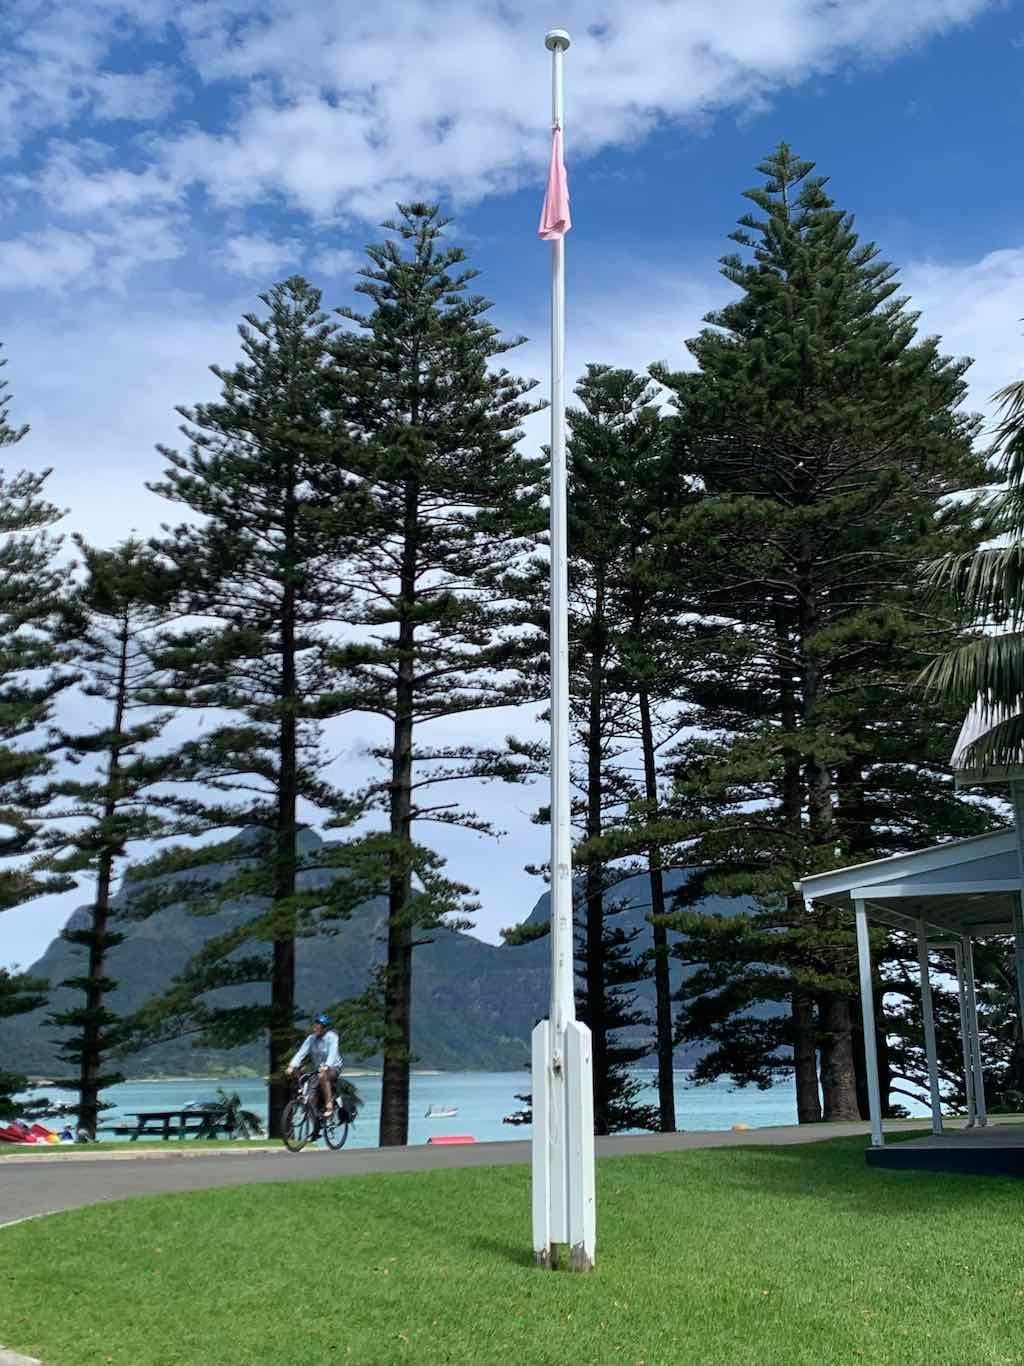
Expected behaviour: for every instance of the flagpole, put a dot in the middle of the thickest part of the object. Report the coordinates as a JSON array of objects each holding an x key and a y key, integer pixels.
[
  {"x": 562, "y": 980},
  {"x": 563, "y": 1104}
]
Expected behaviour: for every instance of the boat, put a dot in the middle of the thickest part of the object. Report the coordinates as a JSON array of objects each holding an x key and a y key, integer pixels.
[{"x": 441, "y": 1112}]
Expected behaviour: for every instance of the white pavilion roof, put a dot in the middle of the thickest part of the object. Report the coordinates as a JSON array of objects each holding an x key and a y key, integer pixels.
[
  {"x": 980, "y": 719},
  {"x": 966, "y": 887}
]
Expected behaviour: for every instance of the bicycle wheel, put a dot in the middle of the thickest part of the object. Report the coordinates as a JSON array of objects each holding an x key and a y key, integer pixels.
[
  {"x": 298, "y": 1125},
  {"x": 336, "y": 1128}
]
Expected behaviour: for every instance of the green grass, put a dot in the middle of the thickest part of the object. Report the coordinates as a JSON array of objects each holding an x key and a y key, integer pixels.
[
  {"x": 743, "y": 1257},
  {"x": 141, "y": 1145}
]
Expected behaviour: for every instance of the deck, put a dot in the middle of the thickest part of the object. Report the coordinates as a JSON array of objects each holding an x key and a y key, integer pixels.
[{"x": 997, "y": 1150}]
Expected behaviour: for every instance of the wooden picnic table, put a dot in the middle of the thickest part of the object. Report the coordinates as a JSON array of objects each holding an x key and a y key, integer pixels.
[{"x": 160, "y": 1122}]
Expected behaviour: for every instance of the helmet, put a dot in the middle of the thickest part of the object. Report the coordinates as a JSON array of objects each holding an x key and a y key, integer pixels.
[{"x": 322, "y": 1019}]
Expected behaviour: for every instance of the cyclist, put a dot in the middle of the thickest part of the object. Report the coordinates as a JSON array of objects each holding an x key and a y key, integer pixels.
[{"x": 322, "y": 1047}]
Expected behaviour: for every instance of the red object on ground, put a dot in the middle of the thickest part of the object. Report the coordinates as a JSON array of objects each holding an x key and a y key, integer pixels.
[
  {"x": 40, "y": 1130},
  {"x": 11, "y": 1135},
  {"x": 452, "y": 1138}
]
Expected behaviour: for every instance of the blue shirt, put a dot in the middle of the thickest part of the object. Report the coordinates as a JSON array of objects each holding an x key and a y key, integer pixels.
[{"x": 322, "y": 1050}]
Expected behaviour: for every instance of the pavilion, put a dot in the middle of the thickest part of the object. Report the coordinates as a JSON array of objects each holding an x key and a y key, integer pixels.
[{"x": 945, "y": 897}]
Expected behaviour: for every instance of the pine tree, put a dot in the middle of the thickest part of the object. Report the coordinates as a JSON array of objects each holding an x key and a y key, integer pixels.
[
  {"x": 100, "y": 816},
  {"x": 435, "y": 425},
  {"x": 620, "y": 481},
  {"x": 31, "y": 587},
  {"x": 618, "y": 466},
  {"x": 260, "y": 576},
  {"x": 19, "y": 994},
  {"x": 826, "y": 437}
]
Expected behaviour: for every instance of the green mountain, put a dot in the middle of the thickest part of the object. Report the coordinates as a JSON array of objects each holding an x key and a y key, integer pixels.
[{"x": 474, "y": 1004}]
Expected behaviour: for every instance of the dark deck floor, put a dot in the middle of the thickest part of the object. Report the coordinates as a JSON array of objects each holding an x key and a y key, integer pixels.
[{"x": 997, "y": 1150}]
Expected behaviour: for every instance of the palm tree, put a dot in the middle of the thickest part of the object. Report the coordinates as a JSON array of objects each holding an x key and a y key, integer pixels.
[
  {"x": 987, "y": 671},
  {"x": 227, "y": 1113}
]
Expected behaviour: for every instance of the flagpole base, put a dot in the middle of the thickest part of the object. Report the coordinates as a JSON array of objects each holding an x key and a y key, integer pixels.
[{"x": 564, "y": 1204}]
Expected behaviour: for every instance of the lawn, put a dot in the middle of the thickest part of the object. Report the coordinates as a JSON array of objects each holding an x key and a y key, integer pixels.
[
  {"x": 774, "y": 1256},
  {"x": 140, "y": 1145}
]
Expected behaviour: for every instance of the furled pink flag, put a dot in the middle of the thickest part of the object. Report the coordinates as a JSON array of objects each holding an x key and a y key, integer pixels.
[{"x": 555, "y": 221}]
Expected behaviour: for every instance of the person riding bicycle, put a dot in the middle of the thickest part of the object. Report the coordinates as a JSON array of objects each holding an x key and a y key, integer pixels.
[{"x": 322, "y": 1047}]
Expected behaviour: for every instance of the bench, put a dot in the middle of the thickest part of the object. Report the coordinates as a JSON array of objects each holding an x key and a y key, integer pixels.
[{"x": 159, "y": 1123}]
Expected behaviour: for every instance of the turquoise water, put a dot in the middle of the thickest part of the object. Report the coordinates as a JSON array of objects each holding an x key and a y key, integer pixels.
[{"x": 481, "y": 1098}]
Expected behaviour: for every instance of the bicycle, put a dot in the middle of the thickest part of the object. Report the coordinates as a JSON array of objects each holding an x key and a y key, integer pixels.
[{"x": 303, "y": 1120}]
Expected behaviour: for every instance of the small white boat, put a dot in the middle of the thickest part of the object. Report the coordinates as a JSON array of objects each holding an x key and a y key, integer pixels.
[{"x": 440, "y": 1112}]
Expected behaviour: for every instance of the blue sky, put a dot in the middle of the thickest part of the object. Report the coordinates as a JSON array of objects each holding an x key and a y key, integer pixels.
[{"x": 163, "y": 163}]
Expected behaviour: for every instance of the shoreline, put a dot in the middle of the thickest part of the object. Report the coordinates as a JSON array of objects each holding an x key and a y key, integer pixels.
[{"x": 217, "y": 1078}]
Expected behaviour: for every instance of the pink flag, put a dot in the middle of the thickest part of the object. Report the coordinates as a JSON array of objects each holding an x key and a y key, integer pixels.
[{"x": 555, "y": 221}]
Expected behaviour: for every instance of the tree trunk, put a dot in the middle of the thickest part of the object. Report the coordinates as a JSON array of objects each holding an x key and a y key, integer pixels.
[
  {"x": 838, "y": 1070},
  {"x": 594, "y": 878},
  {"x": 662, "y": 985},
  {"x": 282, "y": 982},
  {"x": 805, "y": 1059},
  {"x": 397, "y": 1044},
  {"x": 92, "y": 1028}
]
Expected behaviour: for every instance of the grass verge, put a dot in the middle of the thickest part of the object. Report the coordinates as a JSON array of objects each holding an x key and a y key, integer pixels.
[
  {"x": 142, "y": 1145},
  {"x": 776, "y": 1256}
]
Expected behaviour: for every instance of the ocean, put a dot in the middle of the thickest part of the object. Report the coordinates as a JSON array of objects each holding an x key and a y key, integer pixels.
[{"x": 481, "y": 1099}]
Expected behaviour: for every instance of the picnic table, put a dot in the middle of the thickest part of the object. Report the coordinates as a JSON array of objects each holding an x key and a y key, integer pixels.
[{"x": 158, "y": 1123}]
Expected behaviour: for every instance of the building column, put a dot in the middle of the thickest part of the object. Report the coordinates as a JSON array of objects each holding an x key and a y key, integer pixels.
[
  {"x": 965, "y": 1037},
  {"x": 972, "y": 1030},
  {"x": 928, "y": 1015},
  {"x": 867, "y": 1006}
]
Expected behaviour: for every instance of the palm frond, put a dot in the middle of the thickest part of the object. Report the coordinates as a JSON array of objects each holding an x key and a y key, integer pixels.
[
  {"x": 988, "y": 583},
  {"x": 988, "y": 670},
  {"x": 1010, "y": 432}
]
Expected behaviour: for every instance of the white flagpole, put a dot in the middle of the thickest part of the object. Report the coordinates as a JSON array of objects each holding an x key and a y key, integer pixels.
[
  {"x": 562, "y": 994},
  {"x": 563, "y": 1122}
]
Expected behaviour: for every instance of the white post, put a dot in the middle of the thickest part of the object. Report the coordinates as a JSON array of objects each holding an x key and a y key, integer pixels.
[
  {"x": 928, "y": 1015},
  {"x": 965, "y": 1041},
  {"x": 972, "y": 1030},
  {"x": 867, "y": 1007},
  {"x": 563, "y": 1126}
]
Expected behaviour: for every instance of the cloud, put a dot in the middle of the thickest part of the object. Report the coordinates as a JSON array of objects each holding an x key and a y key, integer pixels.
[
  {"x": 56, "y": 70},
  {"x": 334, "y": 108},
  {"x": 55, "y": 259},
  {"x": 336, "y": 262},
  {"x": 358, "y": 108},
  {"x": 976, "y": 308},
  {"x": 260, "y": 256}
]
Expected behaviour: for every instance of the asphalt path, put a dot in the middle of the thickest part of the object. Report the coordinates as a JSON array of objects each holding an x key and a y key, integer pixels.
[{"x": 35, "y": 1184}]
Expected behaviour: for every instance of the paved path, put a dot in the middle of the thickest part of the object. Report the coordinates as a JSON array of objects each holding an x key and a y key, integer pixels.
[{"x": 36, "y": 1184}]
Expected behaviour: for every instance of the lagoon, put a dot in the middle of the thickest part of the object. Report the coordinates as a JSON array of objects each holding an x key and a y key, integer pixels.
[{"x": 481, "y": 1098}]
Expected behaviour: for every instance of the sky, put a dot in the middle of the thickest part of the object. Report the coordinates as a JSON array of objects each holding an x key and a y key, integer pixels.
[{"x": 162, "y": 163}]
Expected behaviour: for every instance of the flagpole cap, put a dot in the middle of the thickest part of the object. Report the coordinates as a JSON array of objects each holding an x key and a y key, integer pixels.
[{"x": 557, "y": 40}]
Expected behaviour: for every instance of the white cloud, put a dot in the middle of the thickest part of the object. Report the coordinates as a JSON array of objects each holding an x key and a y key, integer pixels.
[
  {"x": 336, "y": 262},
  {"x": 354, "y": 108},
  {"x": 55, "y": 259},
  {"x": 977, "y": 309},
  {"x": 79, "y": 181},
  {"x": 49, "y": 260},
  {"x": 54, "y": 65},
  {"x": 260, "y": 256},
  {"x": 347, "y": 108}
]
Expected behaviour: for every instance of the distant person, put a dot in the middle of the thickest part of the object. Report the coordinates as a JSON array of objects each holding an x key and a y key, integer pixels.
[
  {"x": 66, "y": 1136},
  {"x": 322, "y": 1047}
]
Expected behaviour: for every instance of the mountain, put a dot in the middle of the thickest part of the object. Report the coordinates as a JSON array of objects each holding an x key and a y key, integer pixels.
[{"x": 474, "y": 1004}]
